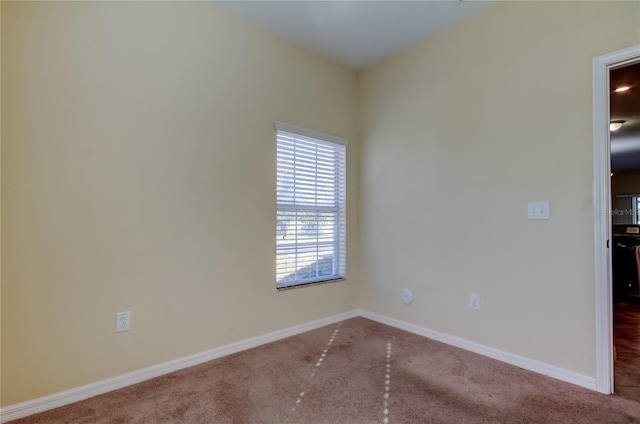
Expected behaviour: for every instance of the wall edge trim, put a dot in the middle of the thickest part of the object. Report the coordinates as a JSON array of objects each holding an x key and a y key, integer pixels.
[
  {"x": 45, "y": 403},
  {"x": 538, "y": 367}
]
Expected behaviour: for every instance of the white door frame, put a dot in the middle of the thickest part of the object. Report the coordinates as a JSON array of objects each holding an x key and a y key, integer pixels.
[{"x": 602, "y": 207}]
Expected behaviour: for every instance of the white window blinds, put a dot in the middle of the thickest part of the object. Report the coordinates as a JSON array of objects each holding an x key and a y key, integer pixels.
[{"x": 311, "y": 193}]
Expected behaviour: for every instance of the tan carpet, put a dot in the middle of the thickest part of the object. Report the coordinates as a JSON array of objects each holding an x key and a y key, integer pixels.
[{"x": 291, "y": 381}]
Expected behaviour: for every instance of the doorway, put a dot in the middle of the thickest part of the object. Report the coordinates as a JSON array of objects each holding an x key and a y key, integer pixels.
[
  {"x": 624, "y": 118},
  {"x": 604, "y": 211}
]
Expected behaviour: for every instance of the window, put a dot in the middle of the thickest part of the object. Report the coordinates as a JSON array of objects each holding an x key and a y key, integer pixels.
[{"x": 310, "y": 224}]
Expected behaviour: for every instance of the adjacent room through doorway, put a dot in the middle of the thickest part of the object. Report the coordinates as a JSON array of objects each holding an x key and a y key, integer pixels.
[{"x": 625, "y": 199}]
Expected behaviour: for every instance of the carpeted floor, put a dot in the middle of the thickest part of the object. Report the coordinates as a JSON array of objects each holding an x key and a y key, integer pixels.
[{"x": 358, "y": 371}]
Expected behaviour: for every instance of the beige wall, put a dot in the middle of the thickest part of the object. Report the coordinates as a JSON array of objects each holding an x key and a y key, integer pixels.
[
  {"x": 457, "y": 133},
  {"x": 0, "y": 206},
  {"x": 138, "y": 173}
]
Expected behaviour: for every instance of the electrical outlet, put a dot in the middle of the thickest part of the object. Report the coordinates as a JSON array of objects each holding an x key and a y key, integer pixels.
[
  {"x": 538, "y": 210},
  {"x": 474, "y": 301},
  {"x": 123, "y": 321}
]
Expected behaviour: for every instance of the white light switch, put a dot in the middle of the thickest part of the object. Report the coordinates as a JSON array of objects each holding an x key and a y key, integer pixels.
[{"x": 538, "y": 210}]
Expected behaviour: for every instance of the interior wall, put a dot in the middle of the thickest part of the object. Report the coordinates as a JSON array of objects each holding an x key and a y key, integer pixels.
[
  {"x": 457, "y": 134},
  {"x": 0, "y": 203},
  {"x": 138, "y": 173}
]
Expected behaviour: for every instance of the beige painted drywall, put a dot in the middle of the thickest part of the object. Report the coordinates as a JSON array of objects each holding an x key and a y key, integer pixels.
[
  {"x": 0, "y": 206},
  {"x": 457, "y": 134},
  {"x": 138, "y": 173}
]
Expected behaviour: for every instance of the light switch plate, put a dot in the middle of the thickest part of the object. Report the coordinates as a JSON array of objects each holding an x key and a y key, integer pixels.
[{"x": 538, "y": 210}]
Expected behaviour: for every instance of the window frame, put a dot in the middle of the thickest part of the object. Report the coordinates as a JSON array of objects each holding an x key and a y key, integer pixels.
[{"x": 338, "y": 145}]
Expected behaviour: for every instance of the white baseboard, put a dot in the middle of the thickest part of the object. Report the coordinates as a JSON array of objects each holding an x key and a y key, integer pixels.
[
  {"x": 501, "y": 355},
  {"x": 20, "y": 410},
  {"x": 34, "y": 406}
]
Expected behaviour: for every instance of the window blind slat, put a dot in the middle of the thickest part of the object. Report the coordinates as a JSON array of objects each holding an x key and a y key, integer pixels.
[{"x": 310, "y": 192}]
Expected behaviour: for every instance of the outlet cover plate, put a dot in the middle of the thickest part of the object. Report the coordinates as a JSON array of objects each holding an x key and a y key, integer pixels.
[
  {"x": 538, "y": 210},
  {"x": 123, "y": 321},
  {"x": 474, "y": 301}
]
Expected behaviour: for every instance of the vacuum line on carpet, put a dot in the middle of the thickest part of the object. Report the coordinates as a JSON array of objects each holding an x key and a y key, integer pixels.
[
  {"x": 387, "y": 381},
  {"x": 318, "y": 364}
]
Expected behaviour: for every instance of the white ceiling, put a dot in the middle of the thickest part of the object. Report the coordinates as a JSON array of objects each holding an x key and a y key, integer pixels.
[{"x": 356, "y": 33}]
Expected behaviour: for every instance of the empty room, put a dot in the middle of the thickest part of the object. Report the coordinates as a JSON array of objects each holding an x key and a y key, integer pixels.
[{"x": 313, "y": 211}]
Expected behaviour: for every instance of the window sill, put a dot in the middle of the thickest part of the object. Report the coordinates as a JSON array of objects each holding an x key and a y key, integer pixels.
[{"x": 313, "y": 283}]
